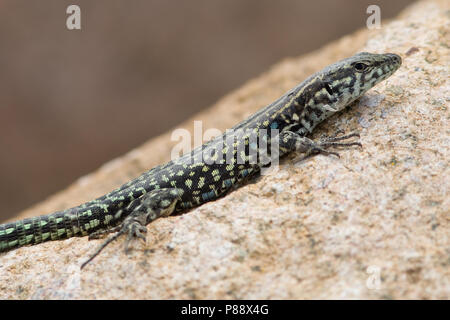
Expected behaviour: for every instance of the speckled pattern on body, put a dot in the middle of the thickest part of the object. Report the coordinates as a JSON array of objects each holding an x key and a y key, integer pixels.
[{"x": 204, "y": 174}]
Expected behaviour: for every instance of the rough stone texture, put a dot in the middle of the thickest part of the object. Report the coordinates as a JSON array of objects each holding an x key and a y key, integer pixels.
[{"x": 321, "y": 228}]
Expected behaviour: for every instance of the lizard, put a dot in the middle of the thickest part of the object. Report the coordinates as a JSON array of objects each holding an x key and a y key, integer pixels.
[{"x": 189, "y": 180}]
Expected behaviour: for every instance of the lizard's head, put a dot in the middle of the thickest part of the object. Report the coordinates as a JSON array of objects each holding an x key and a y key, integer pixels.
[{"x": 350, "y": 78}]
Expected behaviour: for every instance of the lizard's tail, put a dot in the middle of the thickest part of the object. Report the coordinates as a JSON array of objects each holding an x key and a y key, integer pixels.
[{"x": 56, "y": 226}]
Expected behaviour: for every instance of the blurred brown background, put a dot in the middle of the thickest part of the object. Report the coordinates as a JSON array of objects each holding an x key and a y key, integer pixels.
[{"x": 72, "y": 100}]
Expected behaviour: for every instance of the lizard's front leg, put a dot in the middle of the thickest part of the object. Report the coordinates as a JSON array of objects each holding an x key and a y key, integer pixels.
[
  {"x": 293, "y": 142},
  {"x": 143, "y": 210}
]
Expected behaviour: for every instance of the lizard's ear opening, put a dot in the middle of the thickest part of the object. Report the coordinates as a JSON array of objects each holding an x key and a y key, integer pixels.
[{"x": 328, "y": 88}]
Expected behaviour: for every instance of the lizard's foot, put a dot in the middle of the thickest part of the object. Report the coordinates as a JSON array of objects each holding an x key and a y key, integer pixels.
[
  {"x": 333, "y": 142},
  {"x": 141, "y": 211},
  {"x": 310, "y": 148},
  {"x": 135, "y": 230},
  {"x": 337, "y": 137}
]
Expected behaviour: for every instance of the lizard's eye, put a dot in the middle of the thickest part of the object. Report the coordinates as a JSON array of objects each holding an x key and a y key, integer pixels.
[{"x": 360, "y": 67}]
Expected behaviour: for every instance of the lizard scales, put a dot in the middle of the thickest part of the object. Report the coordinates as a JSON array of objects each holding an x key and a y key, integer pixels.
[{"x": 185, "y": 182}]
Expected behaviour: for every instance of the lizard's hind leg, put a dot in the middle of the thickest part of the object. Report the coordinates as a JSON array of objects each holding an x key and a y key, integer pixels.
[
  {"x": 103, "y": 232},
  {"x": 143, "y": 210}
]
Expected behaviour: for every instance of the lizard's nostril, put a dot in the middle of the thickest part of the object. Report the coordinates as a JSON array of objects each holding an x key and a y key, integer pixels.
[{"x": 395, "y": 58}]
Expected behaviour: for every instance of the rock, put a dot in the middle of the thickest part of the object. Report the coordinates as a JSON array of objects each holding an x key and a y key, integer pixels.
[{"x": 373, "y": 224}]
